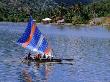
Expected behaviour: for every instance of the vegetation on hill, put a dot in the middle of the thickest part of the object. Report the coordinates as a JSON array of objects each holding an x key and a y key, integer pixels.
[{"x": 79, "y": 13}]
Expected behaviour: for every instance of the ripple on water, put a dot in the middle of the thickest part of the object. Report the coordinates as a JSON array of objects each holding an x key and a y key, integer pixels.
[{"x": 90, "y": 48}]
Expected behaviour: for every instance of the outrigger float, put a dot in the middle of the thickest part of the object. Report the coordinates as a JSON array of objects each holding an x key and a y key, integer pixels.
[{"x": 35, "y": 41}]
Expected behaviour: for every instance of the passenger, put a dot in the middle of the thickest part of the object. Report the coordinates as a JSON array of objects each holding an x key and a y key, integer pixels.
[
  {"x": 29, "y": 56},
  {"x": 44, "y": 56},
  {"x": 47, "y": 56},
  {"x": 38, "y": 56}
]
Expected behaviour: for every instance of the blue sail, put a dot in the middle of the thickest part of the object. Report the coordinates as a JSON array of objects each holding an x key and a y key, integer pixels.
[
  {"x": 44, "y": 45},
  {"x": 38, "y": 42},
  {"x": 26, "y": 34},
  {"x": 33, "y": 39}
]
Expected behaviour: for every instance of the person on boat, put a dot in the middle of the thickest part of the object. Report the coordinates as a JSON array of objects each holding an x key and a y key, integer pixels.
[
  {"x": 38, "y": 56},
  {"x": 47, "y": 56},
  {"x": 44, "y": 56},
  {"x": 28, "y": 56},
  {"x": 48, "y": 53}
]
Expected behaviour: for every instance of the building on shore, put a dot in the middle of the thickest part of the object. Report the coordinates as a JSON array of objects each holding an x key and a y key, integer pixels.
[
  {"x": 46, "y": 20},
  {"x": 100, "y": 21},
  {"x": 61, "y": 21},
  {"x": 96, "y": 21}
]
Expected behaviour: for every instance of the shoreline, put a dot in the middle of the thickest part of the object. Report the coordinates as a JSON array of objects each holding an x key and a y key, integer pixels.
[{"x": 66, "y": 24}]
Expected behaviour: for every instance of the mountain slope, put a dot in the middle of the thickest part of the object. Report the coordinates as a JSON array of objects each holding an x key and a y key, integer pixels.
[{"x": 19, "y": 10}]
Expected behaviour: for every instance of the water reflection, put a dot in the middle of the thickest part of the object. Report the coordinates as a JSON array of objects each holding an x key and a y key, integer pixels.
[{"x": 37, "y": 72}]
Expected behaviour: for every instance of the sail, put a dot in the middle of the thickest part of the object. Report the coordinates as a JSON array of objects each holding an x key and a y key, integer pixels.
[
  {"x": 33, "y": 39},
  {"x": 26, "y": 34}
]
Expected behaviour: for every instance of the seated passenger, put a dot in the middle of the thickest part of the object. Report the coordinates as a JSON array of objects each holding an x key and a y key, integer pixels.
[
  {"x": 28, "y": 57},
  {"x": 38, "y": 56},
  {"x": 44, "y": 56},
  {"x": 47, "y": 56}
]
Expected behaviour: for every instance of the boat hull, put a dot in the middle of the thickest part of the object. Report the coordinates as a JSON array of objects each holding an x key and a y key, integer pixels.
[
  {"x": 44, "y": 60},
  {"x": 47, "y": 60}
]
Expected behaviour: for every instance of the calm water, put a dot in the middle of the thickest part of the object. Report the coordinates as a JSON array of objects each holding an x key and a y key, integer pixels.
[{"x": 88, "y": 46}]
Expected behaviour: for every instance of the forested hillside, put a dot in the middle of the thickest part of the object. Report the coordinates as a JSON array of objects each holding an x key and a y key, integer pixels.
[
  {"x": 19, "y": 10},
  {"x": 73, "y": 11}
]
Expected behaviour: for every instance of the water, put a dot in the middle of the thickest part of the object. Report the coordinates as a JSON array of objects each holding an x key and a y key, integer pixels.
[{"x": 88, "y": 46}]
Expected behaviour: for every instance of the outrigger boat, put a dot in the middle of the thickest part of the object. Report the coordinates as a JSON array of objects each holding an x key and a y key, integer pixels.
[
  {"x": 34, "y": 40},
  {"x": 41, "y": 60}
]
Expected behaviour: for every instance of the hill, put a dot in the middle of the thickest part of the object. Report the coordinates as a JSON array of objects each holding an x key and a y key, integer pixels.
[{"x": 19, "y": 10}]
